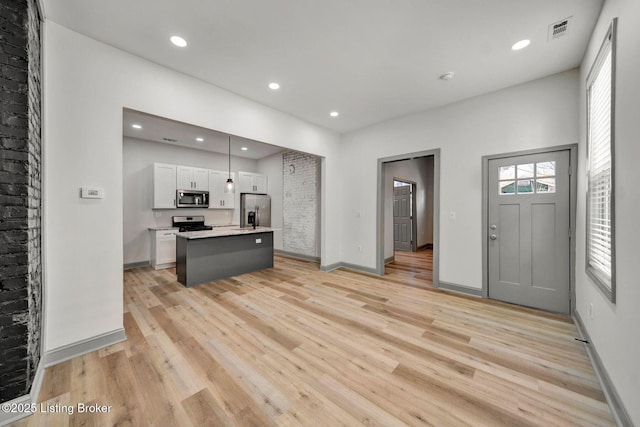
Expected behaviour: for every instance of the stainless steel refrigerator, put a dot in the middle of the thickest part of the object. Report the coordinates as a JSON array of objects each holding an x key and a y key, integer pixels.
[{"x": 255, "y": 208}]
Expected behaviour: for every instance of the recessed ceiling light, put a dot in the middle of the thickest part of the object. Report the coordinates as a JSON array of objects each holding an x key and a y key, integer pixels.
[
  {"x": 274, "y": 86},
  {"x": 136, "y": 126},
  {"x": 199, "y": 139},
  {"x": 334, "y": 114},
  {"x": 521, "y": 44},
  {"x": 178, "y": 41},
  {"x": 244, "y": 148}
]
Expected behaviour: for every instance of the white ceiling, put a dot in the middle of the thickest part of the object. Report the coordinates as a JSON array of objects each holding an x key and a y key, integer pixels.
[
  {"x": 371, "y": 60},
  {"x": 159, "y": 129}
]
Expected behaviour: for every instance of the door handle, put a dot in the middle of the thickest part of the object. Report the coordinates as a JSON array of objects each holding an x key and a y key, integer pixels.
[{"x": 493, "y": 237}]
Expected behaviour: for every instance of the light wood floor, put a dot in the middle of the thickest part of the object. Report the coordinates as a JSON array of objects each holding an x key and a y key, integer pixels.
[
  {"x": 411, "y": 268},
  {"x": 294, "y": 346}
]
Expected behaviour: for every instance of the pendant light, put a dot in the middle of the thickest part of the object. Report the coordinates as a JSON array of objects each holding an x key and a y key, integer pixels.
[{"x": 229, "y": 187}]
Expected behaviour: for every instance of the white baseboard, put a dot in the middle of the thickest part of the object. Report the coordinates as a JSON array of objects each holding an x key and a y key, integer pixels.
[
  {"x": 7, "y": 418},
  {"x": 61, "y": 354}
]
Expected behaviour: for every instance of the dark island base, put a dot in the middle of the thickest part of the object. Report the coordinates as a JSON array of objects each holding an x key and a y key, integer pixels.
[{"x": 205, "y": 260}]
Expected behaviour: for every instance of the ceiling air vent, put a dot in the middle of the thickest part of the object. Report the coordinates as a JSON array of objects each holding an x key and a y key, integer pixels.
[
  {"x": 169, "y": 140},
  {"x": 559, "y": 29}
]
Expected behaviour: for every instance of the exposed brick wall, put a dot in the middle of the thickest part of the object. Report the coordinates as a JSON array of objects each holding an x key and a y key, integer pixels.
[
  {"x": 301, "y": 203},
  {"x": 20, "y": 198}
]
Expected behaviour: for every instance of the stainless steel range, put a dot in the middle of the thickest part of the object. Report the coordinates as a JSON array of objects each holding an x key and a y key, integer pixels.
[{"x": 190, "y": 223}]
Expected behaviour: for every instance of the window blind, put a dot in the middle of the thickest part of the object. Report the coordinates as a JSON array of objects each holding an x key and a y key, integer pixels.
[{"x": 600, "y": 172}]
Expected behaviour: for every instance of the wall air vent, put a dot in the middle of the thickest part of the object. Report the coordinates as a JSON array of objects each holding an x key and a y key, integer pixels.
[
  {"x": 169, "y": 139},
  {"x": 559, "y": 29}
]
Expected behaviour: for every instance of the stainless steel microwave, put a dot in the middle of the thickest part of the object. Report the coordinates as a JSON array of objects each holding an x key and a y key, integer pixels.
[{"x": 192, "y": 199}]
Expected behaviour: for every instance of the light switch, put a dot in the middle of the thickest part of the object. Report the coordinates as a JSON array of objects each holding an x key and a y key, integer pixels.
[
  {"x": 452, "y": 216},
  {"x": 258, "y": 240}
]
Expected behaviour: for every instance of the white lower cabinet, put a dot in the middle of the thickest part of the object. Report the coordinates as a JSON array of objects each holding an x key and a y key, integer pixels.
[{"x": 163, "y": 248}]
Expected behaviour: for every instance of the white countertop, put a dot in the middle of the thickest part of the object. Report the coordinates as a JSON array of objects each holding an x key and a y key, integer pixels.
[
  {"x": 223, "y": 231},
  {"x": 168, "y": 227}
]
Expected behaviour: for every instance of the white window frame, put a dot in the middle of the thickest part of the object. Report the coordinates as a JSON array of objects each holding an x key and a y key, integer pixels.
[{"x": 600, "y": 261}]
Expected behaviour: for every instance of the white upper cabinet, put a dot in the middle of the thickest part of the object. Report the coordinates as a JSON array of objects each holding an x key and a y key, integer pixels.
[
  {"x": 169, "y": 178},
  {"x": 184, "y": 178},
  {"x": 164, "y": 186},
  {"x": 260, "y": 182},
  {"x": 201, "y": 179},
  {"x": 218, "y": 199},
  {"x": 189, "y": 178},
  {"x": 249, "y": 182}
]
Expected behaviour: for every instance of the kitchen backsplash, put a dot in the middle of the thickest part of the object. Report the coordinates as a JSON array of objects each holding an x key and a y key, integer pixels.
[{"x": 211, "y": 217}]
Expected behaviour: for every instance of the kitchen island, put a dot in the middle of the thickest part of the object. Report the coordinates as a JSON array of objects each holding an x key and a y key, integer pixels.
[{"x": 205, "y": 256}]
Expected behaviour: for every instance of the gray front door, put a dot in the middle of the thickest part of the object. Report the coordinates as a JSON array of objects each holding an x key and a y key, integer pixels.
[
  {"x": 528, "y": 230},
  {"x": 402, "y": 218}
]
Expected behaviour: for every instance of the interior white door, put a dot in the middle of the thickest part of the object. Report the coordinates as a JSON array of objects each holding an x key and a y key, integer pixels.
[
  {"x": 402, "y": 218},
  {"x": 528, "y": 230}
]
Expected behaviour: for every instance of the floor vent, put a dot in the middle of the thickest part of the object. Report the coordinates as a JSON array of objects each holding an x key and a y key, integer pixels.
[{"x": 559, "y": 29}]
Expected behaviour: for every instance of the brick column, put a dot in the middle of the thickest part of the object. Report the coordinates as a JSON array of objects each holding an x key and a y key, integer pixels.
[
  {"x": 301, "y": 204},
  {"x": 20, "y": 198}
]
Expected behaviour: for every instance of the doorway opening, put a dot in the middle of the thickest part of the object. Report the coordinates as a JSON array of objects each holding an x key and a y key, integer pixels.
[
  {"x": 404, "y": 215},
  {"x": 408, "y": 218}
]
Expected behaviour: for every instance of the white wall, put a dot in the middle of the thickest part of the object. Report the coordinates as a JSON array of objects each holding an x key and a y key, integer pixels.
[
  {"x": 272, "y": 167},
  {"x": 138, "y": 158},
  {"x": 540, "y": 113},
  {"x": 614, "y": 327},
  {"x": 86, "y": 85},
  {"x": 420, "y": 171}
]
